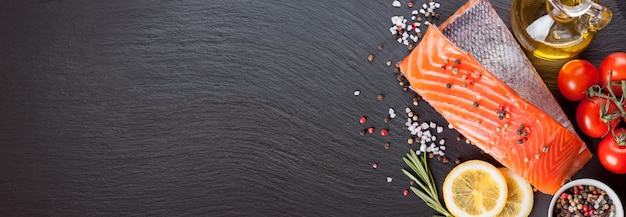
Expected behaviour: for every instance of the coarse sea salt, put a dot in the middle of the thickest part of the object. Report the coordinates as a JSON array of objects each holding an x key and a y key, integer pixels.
[{"x": 396, "y": 3}]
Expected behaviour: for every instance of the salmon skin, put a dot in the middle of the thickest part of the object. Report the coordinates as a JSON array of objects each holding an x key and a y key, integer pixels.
[
  {"x": 476, "y": 28},
  {"x": 492, "y": 115}
]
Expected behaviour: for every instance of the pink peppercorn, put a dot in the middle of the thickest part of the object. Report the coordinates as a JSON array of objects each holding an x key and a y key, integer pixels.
[
  {"x": 370, "y": 130},
  {"x": 384, "y": 132}
]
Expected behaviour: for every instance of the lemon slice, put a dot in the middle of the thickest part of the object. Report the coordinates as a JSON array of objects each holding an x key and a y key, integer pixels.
[
  {"x": 519, "y": 202},
  {"x": 475, "y": 188}
]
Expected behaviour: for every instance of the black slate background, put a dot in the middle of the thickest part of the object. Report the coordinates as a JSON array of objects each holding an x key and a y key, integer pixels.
[{"x": 217, "y": 108}]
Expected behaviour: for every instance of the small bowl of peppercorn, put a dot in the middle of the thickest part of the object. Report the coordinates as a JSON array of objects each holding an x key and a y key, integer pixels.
[{"x": 585, "y": 197}]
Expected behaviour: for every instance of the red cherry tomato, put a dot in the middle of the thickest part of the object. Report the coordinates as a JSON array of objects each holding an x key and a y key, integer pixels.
[
  {"x": 575, "y": 77},
  {"x": 613, "y": 66},
  {"x": 592, "y": 116},
  {"x": 611, "y": 154}
]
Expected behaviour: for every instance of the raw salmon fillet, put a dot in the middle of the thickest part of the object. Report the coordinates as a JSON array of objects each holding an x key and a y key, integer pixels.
[
  {"x": 492, "y": 115},
  {"x": 476, "y": 28}
]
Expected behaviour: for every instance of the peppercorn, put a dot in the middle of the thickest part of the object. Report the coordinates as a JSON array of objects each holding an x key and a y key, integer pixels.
[
  {"x": 384, "y": 132},
  {"x": 380, "y": 97}
]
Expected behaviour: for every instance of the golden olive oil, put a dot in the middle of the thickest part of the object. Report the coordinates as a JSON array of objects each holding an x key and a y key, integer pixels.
[{"x": 549, "y": 33}]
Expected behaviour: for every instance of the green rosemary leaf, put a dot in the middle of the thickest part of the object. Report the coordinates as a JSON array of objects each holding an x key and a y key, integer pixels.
[
  {"x": 418, "y": 182},
  {"x": 433, "y": 186},
  {"x": 422, "y": 171},
  {"x": 424, "y": 180}
]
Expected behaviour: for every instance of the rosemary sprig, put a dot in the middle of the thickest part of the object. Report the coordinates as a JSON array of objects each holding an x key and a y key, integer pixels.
[{"x": 424, "y": 179}]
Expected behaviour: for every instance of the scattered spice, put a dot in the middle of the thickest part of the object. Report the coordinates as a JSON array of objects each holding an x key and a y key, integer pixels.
[
  {"x": 362, "y": 120},
  {"x": 406, "y": 192},
  {"x": 375, "y": 165},
  {"x": 370, "y": 130},
  {"x": 448, "y": 85},
  {"x": 380, "y": 97},
  {"x": 408, "y": 33},
  {"x": 384, "y": 132},
  {"x": 380, "y": 47},
  {"x": 455, "y": 70},
  {"x": 362, "y": 132},
  {"x": 501, "y": 113},
  {"x": 370, "y": 58},
  {"x": 388, "y": 62},
  {"x": 387, "y": 145},
  {"x": 475, "y": 104}
]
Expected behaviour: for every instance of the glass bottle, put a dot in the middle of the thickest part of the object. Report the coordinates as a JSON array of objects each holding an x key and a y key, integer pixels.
[{"x": 557, "y": 29}]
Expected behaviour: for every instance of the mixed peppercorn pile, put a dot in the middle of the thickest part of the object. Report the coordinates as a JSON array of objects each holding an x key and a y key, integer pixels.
[{"x": 584, "y": 201}]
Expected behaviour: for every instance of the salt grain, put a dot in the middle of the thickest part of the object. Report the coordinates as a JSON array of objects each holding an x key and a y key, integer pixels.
[
  {"x": 396, "y": 4},
  {"x": 357, "y": 92},
  {"x": 439, "y": 129},
  {"x": 389, "y": 179}
]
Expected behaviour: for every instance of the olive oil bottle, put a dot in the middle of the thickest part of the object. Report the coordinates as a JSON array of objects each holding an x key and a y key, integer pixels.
[{"x": 557, "y": 29}]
